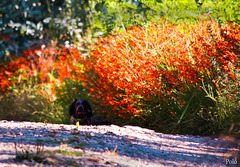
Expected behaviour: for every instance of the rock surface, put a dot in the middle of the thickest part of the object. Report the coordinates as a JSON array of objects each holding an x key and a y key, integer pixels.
[{"x": 65, "y": 145}]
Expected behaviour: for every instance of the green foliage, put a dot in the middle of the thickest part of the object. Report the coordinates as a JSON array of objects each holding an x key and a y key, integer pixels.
[
  {"x": 66, "y": 152},
  {"x": 21, "y": 25},
  {"x": 103, "y": 16},
  {"x": 26, "y": 104},
  {"x": 120, "y": 15},
  {"x": 209, "y": 111},
  {"x": 222, "y": 10},
  {"x": 25, "y": 154},
  {"x": 225, "y": 112},
  {"x": 67, "y": 93},
  {"x": 173, "y": 116},
  {"x": 100, "y": 18},
  {"x": 24, "y": 24},
  {"x": 31, "y": 157},
  {"x": 190, "y": 10},
  {"x": 68, "y": 26}
]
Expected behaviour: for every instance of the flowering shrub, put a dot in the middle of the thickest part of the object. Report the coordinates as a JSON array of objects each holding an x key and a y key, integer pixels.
[
  {"x": 134, "y": 73},
  {"x": 47, "y": 67},
  {"x": 37, "y": 84},
  {"x": 129, "y": 69}
]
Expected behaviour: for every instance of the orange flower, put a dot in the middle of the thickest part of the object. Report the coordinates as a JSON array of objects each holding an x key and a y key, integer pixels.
[{"x": 133, "y": 62}]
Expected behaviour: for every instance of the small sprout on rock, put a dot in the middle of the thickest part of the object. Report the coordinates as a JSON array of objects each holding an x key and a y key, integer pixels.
[{"x": 108, "y": 152}]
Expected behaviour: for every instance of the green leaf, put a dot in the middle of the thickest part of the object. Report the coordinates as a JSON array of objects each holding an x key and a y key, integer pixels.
[
  {"x": 130, "y": 5},
  {"x": 98, "y": 24},
  {"x": 21, "y": 31}
]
